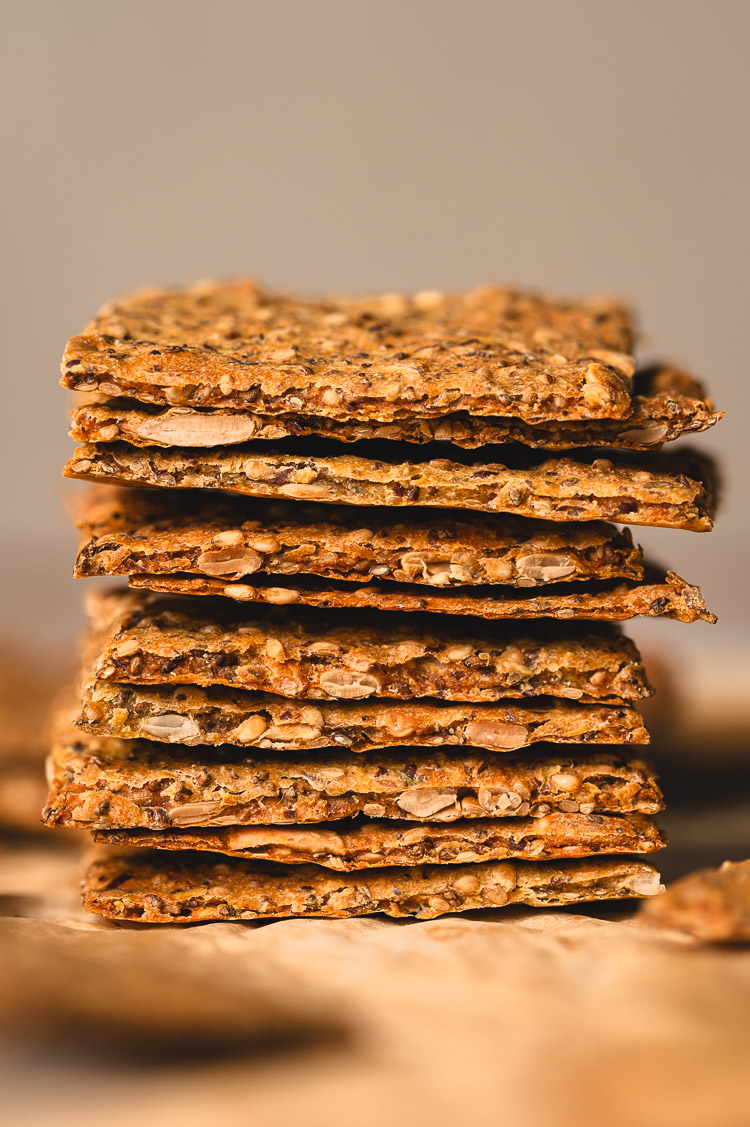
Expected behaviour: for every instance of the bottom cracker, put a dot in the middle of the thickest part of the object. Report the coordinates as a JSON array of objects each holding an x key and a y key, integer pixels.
[
  {"x": 187, "y": 887},
  {"x": 349, "y": 845}
]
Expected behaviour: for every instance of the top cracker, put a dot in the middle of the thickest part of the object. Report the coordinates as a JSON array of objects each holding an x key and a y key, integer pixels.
[{"x": 491, "y": 351}]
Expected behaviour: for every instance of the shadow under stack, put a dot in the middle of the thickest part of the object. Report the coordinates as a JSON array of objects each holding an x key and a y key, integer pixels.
[{"x": 367, "y": 656}]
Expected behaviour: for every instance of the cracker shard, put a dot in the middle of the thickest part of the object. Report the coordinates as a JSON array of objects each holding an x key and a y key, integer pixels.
[
  {"x": 153, "y": 889},
  {"x": 150, "y": 639},
  {"x": 493, "y": 351},
  {"x": 670, "y": 490},
  {"x": 711, "y": 904},
  {"x": 347, "y": 846}
]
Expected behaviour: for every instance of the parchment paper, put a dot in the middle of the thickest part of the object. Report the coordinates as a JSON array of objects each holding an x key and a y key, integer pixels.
[{"x": 508, "y": 1016}]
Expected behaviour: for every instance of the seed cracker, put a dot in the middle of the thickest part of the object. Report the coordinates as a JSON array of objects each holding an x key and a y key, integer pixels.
[
  {"x": 669, "y": 597},
  {"x": 354, "y": 845},
  {"x": 492, "y": 351},
  {"x": 188, "y": 887},
  {"x": 151, "y": 639},
  {"x": 184, "y": 714},
  {"x": 158, "y": 532},
  {"x": 106, "y": 784},
  {"x": 667, "y": 404},
  {"x": 668, "y": 490},
  {"x": 711, "y": 904}
]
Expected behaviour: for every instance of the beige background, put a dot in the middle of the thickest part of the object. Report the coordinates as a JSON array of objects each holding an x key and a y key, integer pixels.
[{"x": 360, "y": 145}]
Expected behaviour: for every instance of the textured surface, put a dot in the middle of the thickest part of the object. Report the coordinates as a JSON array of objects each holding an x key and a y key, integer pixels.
[
  {"x": 493, "y": 351},
  {"x": 667, "y": 404},
  {"x": 668, "y": 596},
  {"x": 711, "y": 904},
  {"x": 156, "y": 888},
  {"x": 334, "y": 655},
  {"x": 671, "y": 491},
  {"x": 367, "y": 845},
  {"x": 114, "y": 784},
  {"x": 154, "y": 532},
  {"x": 184, "y": 714}
]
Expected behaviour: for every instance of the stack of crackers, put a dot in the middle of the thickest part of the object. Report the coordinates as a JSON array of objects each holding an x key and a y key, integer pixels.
[{"x": 366, "y": 654}]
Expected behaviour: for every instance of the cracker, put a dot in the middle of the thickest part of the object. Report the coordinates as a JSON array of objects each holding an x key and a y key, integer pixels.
[
  {"x": 670, "y": 491},
  {"x": 347, "y": 846},
  {"x": 158, "y": 532},
  {"x": 151, "y": 639},
  {"x": 667, "y": 404},
  {"x": 106, "y": 784},
  {"x": 669, "y": 597},
  {"x": 493, "y": 351},
  {"x": 710, "y": 904},
  {"x": 187, "y": 887},
  {"x": 216, "y": 715}
]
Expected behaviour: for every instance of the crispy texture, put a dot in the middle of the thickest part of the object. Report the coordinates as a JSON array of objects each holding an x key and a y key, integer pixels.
[
  {"x": 669, "y": 597},
  {"x": 669, "y": 491},
  {"x": 711, "y": 904},
  {"x": 187, "y": 887},
  {"x": 347, "y": 846},
  {"x": 156, "y": 532},
  {"x": 667, "y": 404},
  {"x": 150, "y": 639},
  {"x": 121, "y": 784},
  {"x": 183, "y": 714},
  {"x": 493, "y": 351}
]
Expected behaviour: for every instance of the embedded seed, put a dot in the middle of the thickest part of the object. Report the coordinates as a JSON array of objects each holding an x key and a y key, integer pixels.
[
  {"x": 280, "y": 596},
  {"x": 229, "y": 561},
  {"x": 171, "y": 727},
  {"x": 466, "y": 883},
  {"x": 194, "y": 813},
  {"x": 423, "y": 802},
  {"x": 496, "y": 733},
  {"x": 274, "y": 649},
  {"x": 230, "y": 539},
  {"x": 545, "y": 567},
  {"x": 266, "y": 544},
  {"x": 345, "y": 685},
  {"x": 563, "y": 780},
  {"x": 250, "y": 729}
]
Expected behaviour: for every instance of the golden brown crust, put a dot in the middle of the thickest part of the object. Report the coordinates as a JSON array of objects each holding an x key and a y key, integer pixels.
[
  {"x": 667, "y": 404},
  {"x": 158, "y": 532},
  {"x": 669, "y": 597},
  {"x": 116, "y": 784},
  {"x": 670, "y": 491},
  {"x": 711, "y": 904},
  {"x": 347, "y": 846},
  {"x": 159, "y": 888},
  {"x": 150, "y": 639},
  {"x": 493, "y": 351},
  {"x": 216, "y": 715}
]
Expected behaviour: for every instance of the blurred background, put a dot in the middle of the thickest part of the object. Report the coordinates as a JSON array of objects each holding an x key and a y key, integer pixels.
[
  {"x": 399, "y": 145},
  {"x": 349, "y": 145}
]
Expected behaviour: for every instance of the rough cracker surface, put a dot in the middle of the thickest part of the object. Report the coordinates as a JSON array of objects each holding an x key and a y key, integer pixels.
[
  {"x": 667, "y": 490},
  {"x": 711, "y": 904},
  {"x": 151, "y": 639},
  {"x": 116, "y": 784},
  {"x": 158, "y": 532},
  {"x": 492, "y": 351},
  {"x": 186, "y": 715},
  {"x": 668, "y": 597},
  {"x": 353, "y": 845},
  {"x": 667, "y": 404},
  {"x": 160, "y": 888}
]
